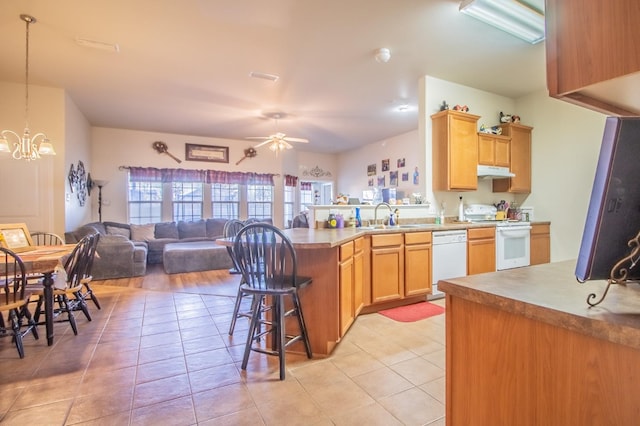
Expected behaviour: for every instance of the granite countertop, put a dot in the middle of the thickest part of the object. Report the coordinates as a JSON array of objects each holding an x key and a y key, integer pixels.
[{"x": 550, "y": 293}]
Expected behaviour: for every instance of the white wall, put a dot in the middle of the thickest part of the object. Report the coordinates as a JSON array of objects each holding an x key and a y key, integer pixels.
[
  {"x": 488, "y": 106},
  {"x": 565, "y": 146},
  {"x": 32, "y": 192},
  {"x": 112, "y": 148},
  {"x": 77, "y": 147},
  {"x": 353, "y": 179}
]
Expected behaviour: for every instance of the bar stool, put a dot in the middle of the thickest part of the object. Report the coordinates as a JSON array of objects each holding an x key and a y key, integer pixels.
[{"x": 267, "y": 260}]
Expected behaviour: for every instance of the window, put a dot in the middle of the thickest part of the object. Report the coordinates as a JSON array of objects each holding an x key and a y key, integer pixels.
[
  {"x": 289, "y": 202},
  {"x": 145, "y": 202},
  {"x": 187, "y": 201},
  {"x": 259, "y": 201},
  {"x": 225, "y": 200},
  {"x": 306, "y": 197}
]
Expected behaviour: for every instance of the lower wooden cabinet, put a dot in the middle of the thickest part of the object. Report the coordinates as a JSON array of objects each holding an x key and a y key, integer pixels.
[
  {"x": 387, "y": 267},
  {"x": 481, "y": 250},
  {"x": 400, "y": 266},
  {"x": 351, "y": 272},
  {"x": 417, "y": 263},
  {"x": 540, "y": 243}
]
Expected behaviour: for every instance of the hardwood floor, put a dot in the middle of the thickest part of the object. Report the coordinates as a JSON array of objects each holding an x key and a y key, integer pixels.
[{"x": 218, "y": 282}]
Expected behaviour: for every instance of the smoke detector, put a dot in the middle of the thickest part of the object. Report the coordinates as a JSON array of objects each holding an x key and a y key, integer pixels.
[{"x": 383, "y": 55}]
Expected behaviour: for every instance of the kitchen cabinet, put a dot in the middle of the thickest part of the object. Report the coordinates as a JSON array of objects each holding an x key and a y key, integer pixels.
[
  {"x": 540, "y": 243},
  {"x": 494, "y": 150},
  {"x": 387, "y": 267},
  {"x": 593, "y": 54},
  {"x": 358, "y": 275},
  {"x": 520, "y": 160},
  {"x": 481, "y": 250},
  {"x": 455, "y": 151},
  {"x": 417, "y": 263},
  {"x": 351, "y": 272}
]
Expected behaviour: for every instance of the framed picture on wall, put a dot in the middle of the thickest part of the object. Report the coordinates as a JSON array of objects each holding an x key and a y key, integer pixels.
[
  {"x": 393, "y": 178},
  {"x": 215, "y": 154},
  {"x": 371, "y": 170},
  {"x": 385, "y": 165},
  {"x": 15, "y": 236}
]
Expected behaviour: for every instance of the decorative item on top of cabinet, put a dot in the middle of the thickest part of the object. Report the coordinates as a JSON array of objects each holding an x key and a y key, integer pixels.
[
  {"x": 481, "y": 250},
  {"x": 520, "y": 160},
  {"x": 540, "y": 243},
  {"x": 455, "y": 151}
]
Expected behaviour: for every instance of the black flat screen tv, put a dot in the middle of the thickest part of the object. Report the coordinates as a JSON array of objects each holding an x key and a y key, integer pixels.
[{"x": 613, "y": 217}]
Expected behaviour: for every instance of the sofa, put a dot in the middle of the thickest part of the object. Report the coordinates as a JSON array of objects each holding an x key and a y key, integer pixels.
[{"x": 124, "y": 250}]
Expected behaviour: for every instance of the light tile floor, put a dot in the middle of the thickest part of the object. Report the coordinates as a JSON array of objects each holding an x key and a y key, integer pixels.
[{"x": 165, "y": 358}]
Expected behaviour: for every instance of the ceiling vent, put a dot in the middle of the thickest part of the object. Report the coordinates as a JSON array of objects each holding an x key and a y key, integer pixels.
[
  {"x": 264, "y": 76},
  {"x": 109, "y": 47}
]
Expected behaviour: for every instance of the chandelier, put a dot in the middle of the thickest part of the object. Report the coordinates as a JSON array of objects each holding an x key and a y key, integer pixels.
[{"x": 27, "y": 146}]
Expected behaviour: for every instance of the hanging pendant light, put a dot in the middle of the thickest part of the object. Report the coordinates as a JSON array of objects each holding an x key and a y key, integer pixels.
[{"x": 27, "y": 146}]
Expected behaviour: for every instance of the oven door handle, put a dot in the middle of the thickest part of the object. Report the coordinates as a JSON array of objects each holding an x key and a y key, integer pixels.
[{"x": 520, "y": 231}]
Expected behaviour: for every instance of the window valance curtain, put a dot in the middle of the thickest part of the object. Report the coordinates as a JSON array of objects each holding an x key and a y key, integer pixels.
[
  {"x": 290, "y": 180},
  {"x": 137, "y": 174},
  {"x": 305, "y": 186}
]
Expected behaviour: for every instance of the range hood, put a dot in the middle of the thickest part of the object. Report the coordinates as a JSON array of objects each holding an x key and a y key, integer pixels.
[{"x": 494, "y": 172}]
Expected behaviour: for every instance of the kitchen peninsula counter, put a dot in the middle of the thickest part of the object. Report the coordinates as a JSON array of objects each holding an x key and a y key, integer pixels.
[{"x": 524, "y": 347}]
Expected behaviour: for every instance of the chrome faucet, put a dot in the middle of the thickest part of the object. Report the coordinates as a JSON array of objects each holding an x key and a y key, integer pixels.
[{"x": 375, "y": 212}]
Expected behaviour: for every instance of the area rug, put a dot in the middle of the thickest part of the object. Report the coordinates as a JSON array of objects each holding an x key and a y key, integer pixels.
[{"x": 415, "y": 312}]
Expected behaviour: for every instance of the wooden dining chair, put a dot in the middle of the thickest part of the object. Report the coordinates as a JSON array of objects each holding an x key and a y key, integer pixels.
[
  {"x": 231, "y": 229},
  {"x": 268, "y": 263},
  {"x": 46, "y": 239},
  {"x": 68, "y": 286},
  {"x": 87, "y": 292},
  {"x": 14, "y": 300}
]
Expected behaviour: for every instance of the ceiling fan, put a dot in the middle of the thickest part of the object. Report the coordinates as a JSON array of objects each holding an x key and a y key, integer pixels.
[{"x": 277, "y": 141}]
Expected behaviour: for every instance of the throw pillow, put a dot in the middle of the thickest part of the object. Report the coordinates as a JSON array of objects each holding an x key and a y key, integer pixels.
[
  {"x": 167, "y": 230},
  {"x": 143, "y": 232},
  {"x": 192, "y": 229},
  {"x": 117, "y": 230}
]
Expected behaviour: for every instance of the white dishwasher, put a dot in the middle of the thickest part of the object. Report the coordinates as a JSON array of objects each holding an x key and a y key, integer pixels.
[{"x": 449, "y": 258}]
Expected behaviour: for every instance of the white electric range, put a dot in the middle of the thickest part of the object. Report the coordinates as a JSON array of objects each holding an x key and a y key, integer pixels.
[{"x": 513, "y": 237}]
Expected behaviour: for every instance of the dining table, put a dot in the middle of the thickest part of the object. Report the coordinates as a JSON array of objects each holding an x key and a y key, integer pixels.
[{"x": 44, "y": 260}]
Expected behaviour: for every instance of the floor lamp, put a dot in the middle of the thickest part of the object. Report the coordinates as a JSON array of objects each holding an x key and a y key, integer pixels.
[{"x": 100, "y": 183}]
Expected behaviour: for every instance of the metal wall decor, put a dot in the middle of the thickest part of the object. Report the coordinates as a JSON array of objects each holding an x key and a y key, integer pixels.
[
  {"x": 316, "y": 172},
  {"x": 79, "y": 182}
]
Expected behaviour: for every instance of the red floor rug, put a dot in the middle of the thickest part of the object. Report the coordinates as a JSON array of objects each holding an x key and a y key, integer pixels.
[{"x": 415, "y": 312}]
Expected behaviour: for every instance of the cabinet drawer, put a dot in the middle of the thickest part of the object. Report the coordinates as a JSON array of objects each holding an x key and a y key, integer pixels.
[
  {"x": 346, "y": 251},
  {"x": 478, "y": 233},
  {"x": 417, "y": 237},
  {"x": 358, "y": 244},
  {"x": 540, "y": 229},
  {"x": 387, "y": 240}
]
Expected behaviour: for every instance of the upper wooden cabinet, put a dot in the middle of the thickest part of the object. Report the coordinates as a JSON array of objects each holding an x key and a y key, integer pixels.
[
  {"x": 455, "y": 151},
  {"x": 493, "y": 150},
  {"x": 593, "y": 53},
  {"x": 520, "y": 160}
]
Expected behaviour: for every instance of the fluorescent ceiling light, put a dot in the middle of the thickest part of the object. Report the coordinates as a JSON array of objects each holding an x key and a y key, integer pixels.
[{"x": 510, "y": 16}]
